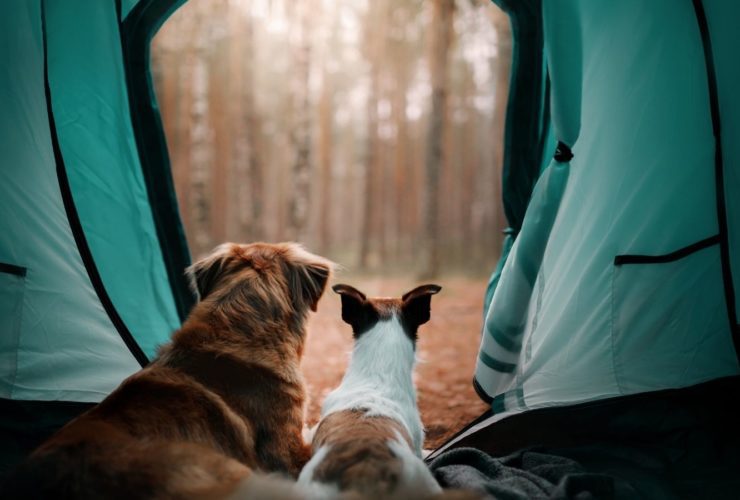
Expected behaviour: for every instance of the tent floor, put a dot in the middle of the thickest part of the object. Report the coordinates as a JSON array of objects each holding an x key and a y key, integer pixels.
[
  {"x": 26, "y": 424},
  {"x": 682, "y": 443}
]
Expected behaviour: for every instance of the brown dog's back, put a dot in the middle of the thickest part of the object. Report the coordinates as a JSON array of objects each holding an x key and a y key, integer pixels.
[
  {"x": 161, "y": 435},
  {"x": 223, "y": 398},
  {"x": 115, "y": 466}
]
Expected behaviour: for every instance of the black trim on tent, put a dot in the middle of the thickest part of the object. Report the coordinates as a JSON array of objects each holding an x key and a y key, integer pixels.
[
  {"x": 74, "y": 219},
  {"x": 136, "y": 32},
  {"x": 13, "y": 269},
  {"x": 482, "y": 394},
  {"x": 669, "y": 257},
  {"x": 118, "y": 13},
  {"x": 638, "y": 415},
  {"x": 480, "y": 418},
  {"x": 724, "y": 244},
  {"x": 562, "y": 153}
]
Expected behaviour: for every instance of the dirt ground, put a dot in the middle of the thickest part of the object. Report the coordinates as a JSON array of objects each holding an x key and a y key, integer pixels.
[{"x": 447, "y": 349}]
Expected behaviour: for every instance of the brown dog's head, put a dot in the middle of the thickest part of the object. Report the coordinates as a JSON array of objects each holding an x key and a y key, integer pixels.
[{"x": 273, "y": 282}]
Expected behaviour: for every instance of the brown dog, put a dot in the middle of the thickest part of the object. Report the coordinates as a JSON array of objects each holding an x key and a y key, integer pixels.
[{"x": 224, "y": 397}]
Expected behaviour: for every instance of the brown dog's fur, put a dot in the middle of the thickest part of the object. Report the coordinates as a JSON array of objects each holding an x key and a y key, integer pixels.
[{"x": 224, "y": 397}]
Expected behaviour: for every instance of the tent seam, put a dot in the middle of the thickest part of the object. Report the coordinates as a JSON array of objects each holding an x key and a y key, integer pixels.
[
  {"x": 613, "y": 322},
  {"x": 73, "y": 219},
  {"x": 165, "y": 212},
  {"x": 721, "y": 208},
  {"x": 18, "y": 339}
]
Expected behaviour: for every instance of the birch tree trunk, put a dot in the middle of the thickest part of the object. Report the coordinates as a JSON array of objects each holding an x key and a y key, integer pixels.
[
  {"x": 326, "y": 112},
  {"x": 200, "y": 147},
  {"x": 301, "y": 132}
]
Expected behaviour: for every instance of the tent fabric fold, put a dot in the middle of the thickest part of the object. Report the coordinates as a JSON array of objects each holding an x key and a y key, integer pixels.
[
  {"x": 620, "y": 273},
  {"x": 575, "y": 317},
  {"x": 94, "y": 299}
]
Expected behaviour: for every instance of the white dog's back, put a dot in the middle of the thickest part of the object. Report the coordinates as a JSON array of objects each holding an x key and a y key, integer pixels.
[{"x": 370, "y": 436}]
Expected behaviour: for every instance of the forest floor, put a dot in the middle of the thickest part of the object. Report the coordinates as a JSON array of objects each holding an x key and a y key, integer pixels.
[{"x": 447, "y": 350}]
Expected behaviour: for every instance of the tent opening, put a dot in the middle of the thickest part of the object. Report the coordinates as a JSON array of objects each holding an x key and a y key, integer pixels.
[{"x": 368, "y": 131}]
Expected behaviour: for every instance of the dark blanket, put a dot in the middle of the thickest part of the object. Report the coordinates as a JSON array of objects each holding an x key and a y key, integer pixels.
[
  {"x": 522, "y": 475},
  {"x": 678, "y": 444},
  {"x": 599, "y": 471}
]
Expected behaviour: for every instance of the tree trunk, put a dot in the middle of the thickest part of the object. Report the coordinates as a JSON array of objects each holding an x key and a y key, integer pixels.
[
  {"x": 401, "y": 167},
  {"x": 219, "y": 118},
  {"x": 248, "y": 181},
  {"x": 326, "y": 112},
  {"x": 370, "y": 168},
  {"x": 440, "y": 39},
  {"x": 200, "y": 147},
  {"x": 301, "y": 133},
  {"x": 372, "y": 47},
  {"x": 503, "y": 30}
]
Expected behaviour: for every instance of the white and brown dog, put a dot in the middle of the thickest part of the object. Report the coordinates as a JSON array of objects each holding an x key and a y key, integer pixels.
[
  {"x": 224, "y": 398},
  {"x": 370, "y": 435}
]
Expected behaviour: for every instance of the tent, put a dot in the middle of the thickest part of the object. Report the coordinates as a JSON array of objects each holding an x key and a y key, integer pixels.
[
  {"x": 613, "y": 316},
  {"x": 91, "y": 247},
  {"x": 624, "y": 274},
  {"x": 620, "y": 278}
]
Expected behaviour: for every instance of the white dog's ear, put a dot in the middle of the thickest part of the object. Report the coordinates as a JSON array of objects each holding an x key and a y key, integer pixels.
[
  {"x": 204, "y": 274},
  {"x": 356, "y": 311},
  {"x": 308, "y": 276},
  {"x": 417, "y": 305}
]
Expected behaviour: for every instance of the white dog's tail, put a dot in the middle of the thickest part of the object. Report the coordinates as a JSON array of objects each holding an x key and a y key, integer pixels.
[
  {"x": 416, "y": 478},
  {"x": 274, "y": 486}
]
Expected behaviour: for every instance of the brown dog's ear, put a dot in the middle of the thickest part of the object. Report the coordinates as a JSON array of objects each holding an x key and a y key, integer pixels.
[
  {"x": 356, "y": 311},
  {"x": 204, "y": 274},
  {"x": 417, "y": 305},
  {"x": 308, "y": 276}
]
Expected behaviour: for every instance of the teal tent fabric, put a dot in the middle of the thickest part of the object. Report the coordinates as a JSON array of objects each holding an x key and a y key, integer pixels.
[
  {"x": 57, "y": 341},
  {"x": 518, "y": 279},
  {"x": 127, "y": 6},
  {"x": 623, "y": 263},
  {"x": 616, "y": 284},
  {"x": 523, "y": 131},
  {"x": 92, "y": 114},
  {"x": 564, "y": 55},
  {"x": 85, "y": 296},
  {"x": 136, "y": 32},
  {"x": 725, "y": 41}
]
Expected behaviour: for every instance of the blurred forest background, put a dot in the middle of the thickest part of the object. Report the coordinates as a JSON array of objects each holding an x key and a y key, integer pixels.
[{"x": 371, "y": 131}]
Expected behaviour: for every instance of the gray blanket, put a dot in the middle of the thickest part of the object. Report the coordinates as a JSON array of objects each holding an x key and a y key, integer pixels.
[
  {"x": 521, "y": 475},
  {"x": 666, "y": 445}
]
